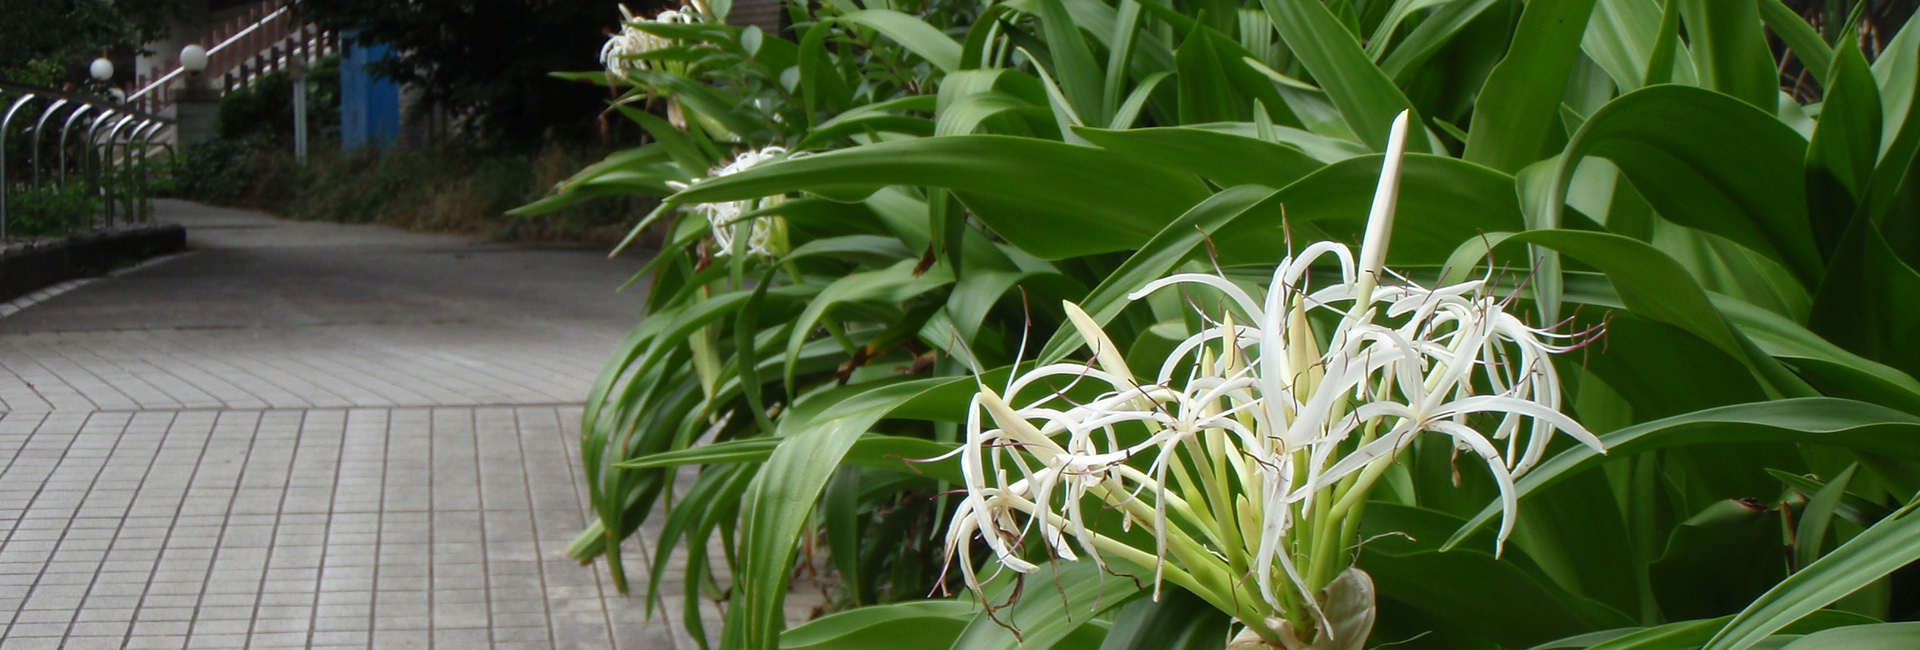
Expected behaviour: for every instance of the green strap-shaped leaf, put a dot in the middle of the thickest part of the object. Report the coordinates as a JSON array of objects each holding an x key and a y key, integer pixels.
[
  {"x": 1433, "y": 33},
  {"x": 1876, "y": 552},
  {"x": 1051, "y": 199},
  {"x": 1205, "y": 94},
  {"x": 895, "y": 453},
  {"x": 1168, "y": 248},
  {"x": 1880, "y": 636},
  {"x": 1816, "y": 420},
  {"x": 1805, "y": 43},
  {"x": 1866, "y": 304},
  {"x": 822, "y": 87},
  {"x": 780, "y": 502},
  {"x": 1056, "y": 601},
  {"x": 1841, "y": 155},
  {"x": 1730, "y": 50},
  {"x": 1224, "y": 158},
  {"x": 1366, "y": 97},
  {"x": 1897, "y": 73},
  {"x": 1705, "y": 161},
  {"x": 912, "y": 33},
  {"x": 1518, "y": 112},
  {"x": 1079, "y": 76},
  {"x": 1619, "y": 39},
  {"x": 1688, "y": 635},
  {"x": 882, "y": 627}
]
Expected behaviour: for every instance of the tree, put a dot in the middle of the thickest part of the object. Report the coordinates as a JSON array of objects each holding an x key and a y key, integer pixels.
[
  {"x": 489, "y": 61},
  {"x": 49, "y": 41}
]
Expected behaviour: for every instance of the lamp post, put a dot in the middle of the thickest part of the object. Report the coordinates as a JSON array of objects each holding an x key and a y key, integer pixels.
[
  {"x": 197, "y": 107},
  {"x": 298, "y": 58}
]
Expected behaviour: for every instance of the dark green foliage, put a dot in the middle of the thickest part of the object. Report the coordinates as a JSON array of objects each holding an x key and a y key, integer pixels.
[
  {"x": 264, "y": 109},
  {"x": 446, "y": 188},
  {"x": 53, "y": 210},
  {"x": 487, "y": 60},
  {"x": 50, "y": 42}
]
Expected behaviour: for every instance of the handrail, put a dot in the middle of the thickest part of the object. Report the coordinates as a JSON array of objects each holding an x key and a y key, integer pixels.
[
  {"x": 108, "y": 111},
  {"x": 43, "y": 91},
  {"x": 277, "y": 13}
]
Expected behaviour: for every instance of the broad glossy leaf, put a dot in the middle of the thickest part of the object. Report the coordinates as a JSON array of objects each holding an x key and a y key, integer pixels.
[
  {"x": 1178, "y": 620},
  {"x": 1866, "y": 304},
  {"x": 1807, "y": 45},
  {"x": 1810, "y": 531},
  {"x": 896, "y": 453},
  {"x": 1057, "y": 600},
  {"x": 1620, "y": 39},
  {"x": 1050, "y": 199},
  {"x": 1878, "y": 636},
  {"x": 883, "y": 627},
  {"x": 1834, "y": 370},
  {"x": 1813, "y": 420},
  {"x": 1433, "y": 33},
  {"x": 1205, "y": 94},
  {"x": 1705, "y": 161},
  {"x": 1730, "y": 50},
  {"x": 1225, "y": 158},
  {"x": 1508, "y": 600},
  {"x": 1688, "y": 635},
  {"x": 1840, "y": 157},
  {"x": 1159, "y": 256},
  {"x": 1081, "y": 80},
  {"x": 1874, "y": 553},
  {"x": 1518, "y": 111},
  {"x": 781, "y": 498},
  {"x": 1367, "y": 98},
  {"x": 1443, "y": 201},
  {"x": 912, "y": 33},
  {"x": 1897, "y": 73}
]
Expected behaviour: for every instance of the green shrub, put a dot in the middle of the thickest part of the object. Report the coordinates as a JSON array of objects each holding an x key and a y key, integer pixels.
[
  {"x": 48, "y": 211},
  {"x": 443, "y": 188}
]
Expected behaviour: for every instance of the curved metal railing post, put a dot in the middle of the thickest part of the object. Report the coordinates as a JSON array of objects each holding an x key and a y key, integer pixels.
[
  {"x": 145, "y": 134},
  {"x": 109, "y": 182},
  {"x": 108, "y": 123},
  {"x": 62, "y": 145},
  {"x": 5, "y": 124},
  {"x": 38, "y": 126}
]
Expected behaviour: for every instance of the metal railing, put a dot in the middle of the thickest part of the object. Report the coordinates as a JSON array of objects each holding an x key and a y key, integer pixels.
[
  {"x": 264, "y": 37},
  {"x": 110, "y": 155}
]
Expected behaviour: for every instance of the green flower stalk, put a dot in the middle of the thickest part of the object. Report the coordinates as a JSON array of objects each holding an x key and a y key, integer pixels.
[{"x": 1250, "y": 452}]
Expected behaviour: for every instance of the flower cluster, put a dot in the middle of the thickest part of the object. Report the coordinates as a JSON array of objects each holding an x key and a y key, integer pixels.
[
  {"x": 762, "y": 234},
  {"x": 623, "y": 51},
  {"x": 1249, "y": 452}
]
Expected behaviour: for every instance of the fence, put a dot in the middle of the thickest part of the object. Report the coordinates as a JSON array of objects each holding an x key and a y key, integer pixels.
[
  {"x": 99, "y": 171},
  {"x": 263, "y": 37}
]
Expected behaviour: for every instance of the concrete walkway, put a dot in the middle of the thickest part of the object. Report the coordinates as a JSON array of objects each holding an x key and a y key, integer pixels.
[{"x": 308, "y": 435}]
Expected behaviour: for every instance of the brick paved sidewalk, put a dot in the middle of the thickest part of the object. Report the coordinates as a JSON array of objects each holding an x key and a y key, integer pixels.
[{"x": 309, "y": 435}]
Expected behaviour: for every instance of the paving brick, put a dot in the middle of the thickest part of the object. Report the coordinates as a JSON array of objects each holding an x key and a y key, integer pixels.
[{"x": 391, "y": 464}]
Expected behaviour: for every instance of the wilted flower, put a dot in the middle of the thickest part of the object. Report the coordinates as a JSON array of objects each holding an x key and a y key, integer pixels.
[{"x": 1250, "y": 451}]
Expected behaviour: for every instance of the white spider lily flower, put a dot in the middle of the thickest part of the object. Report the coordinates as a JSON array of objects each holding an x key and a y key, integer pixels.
[
  {"x": 622, "y": 52},
  {"x": 726, "y": 219},
  {"x": 1248, "y": 450}
]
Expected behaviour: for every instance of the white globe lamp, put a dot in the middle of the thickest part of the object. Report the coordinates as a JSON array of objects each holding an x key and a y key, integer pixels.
[{"x": 193, "y": 58}]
